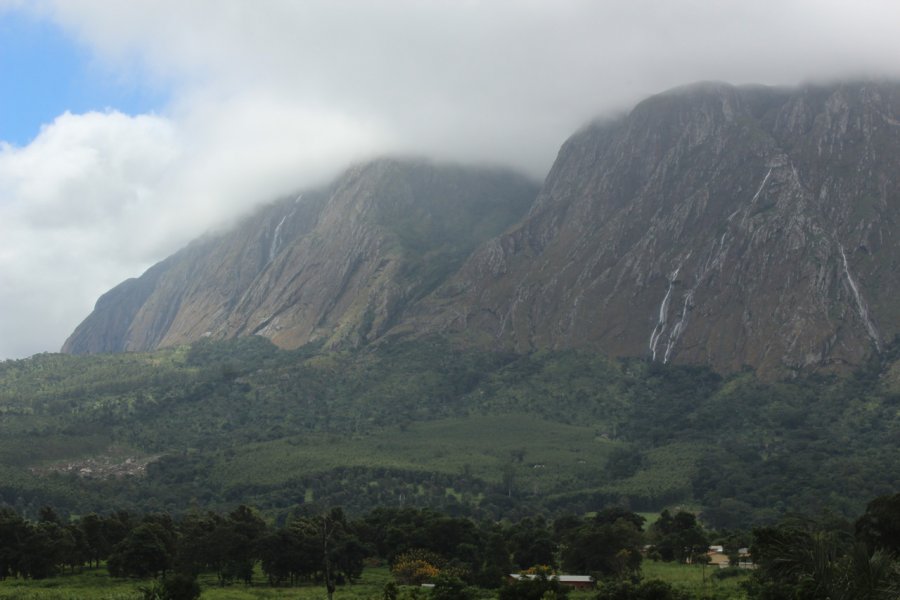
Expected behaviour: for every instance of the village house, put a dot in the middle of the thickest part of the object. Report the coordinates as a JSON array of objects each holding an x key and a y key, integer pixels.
[
  {"x": 718, "y": 558},
  {"x": 578, "y": 582}
]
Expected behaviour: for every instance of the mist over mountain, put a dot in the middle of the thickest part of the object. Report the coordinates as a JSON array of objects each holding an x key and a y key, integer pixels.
[
  {"x": 338, "y": 265},
  {"x": 713, "y": 224}
]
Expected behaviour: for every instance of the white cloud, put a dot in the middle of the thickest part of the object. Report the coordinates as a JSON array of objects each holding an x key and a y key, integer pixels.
[
  {"x": 268, "y": 97},
  {"x": 503, "y": 80},
  {"x": 98, "y": 198},
  {"x": 72, "y": 204},
  {"x": 252, "y": 147}
]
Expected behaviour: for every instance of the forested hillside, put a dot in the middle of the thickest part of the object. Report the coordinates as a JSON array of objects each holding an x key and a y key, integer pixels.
[{"x": 425, "y": 423}]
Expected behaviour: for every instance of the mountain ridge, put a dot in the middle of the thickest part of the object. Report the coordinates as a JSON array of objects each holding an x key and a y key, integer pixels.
[
  {"x": 336, "y": 264},
  {"x": 712, "y": 224},
  {"x": 733, "y": 206}
]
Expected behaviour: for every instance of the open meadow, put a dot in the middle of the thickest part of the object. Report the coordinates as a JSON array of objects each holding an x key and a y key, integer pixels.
[{"x": 96, "y": 584}]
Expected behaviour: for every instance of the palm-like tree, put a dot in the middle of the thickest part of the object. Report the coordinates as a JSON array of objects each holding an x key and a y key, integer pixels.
[{"x": 825, "y": 565}]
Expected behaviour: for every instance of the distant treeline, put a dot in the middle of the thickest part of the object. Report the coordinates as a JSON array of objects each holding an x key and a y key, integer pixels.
[
  {"x": 797, "y": 558},
  {"x": 418, "y": 544}
]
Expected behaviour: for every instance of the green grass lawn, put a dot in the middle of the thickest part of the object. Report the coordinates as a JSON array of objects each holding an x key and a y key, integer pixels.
[
  {"x": 98, "y": 585},
  {"x": 95, "y": 584},
  {"x": 92, "y": 584},
  {"x": 696, "y": 579},
  {"x": 369, "y": 586}
]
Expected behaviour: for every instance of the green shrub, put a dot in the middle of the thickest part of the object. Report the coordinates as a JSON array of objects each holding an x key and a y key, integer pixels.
[
  {"x": 173, "y": 587},
  {"x": 653, "y": 589}
]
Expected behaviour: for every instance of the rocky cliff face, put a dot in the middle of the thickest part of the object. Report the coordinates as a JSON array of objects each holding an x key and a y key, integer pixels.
[
  {"x": 340, "y": 264},
  {"x": 713, "y": 224}
]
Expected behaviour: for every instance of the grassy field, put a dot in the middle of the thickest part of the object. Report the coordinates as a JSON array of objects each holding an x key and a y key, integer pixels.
[
  {"x": 546, "y": 456},
  {"x": 664, "y": 476},
  {"x": 696, "y": 579},
  {"x": 97, "y": 585},
  {"x": 92, "y": 584}
]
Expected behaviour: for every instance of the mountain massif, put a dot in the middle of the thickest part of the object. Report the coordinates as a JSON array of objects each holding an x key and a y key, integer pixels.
[{"x": 712, "y": 224}]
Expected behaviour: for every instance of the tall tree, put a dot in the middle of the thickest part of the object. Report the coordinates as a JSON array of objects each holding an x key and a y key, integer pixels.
[
  {"x": 95, "y": 540},
  {"x": 145, "y": 552},
  {"x": 678, "y": 537},
  {"x": 13, "y": 532},
  {"x": 879, "y": 526},
  {"x": 608, "y": 549}
]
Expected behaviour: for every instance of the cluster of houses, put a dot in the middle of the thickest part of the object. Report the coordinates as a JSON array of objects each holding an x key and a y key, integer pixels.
[{"x": 716, "y": 554}]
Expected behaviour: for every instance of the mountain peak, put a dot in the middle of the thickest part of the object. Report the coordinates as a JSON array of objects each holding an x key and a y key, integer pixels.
[
  {"x": 338, "y": 264},
  {"x": 713, "y": 224}
]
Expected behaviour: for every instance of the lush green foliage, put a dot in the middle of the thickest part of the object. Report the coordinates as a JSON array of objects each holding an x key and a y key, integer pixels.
[
  {"x": 653, "y": 589},
  {"x": 679, "y": 537},
  {"x": 460, "y": 557},
  {"x": 607, "y": 546},
  {"x": 424, "y": 423},
  {"x": 803, "y": 559}
]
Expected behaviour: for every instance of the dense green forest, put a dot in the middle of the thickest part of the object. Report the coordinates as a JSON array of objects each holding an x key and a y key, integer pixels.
[
  {"x": 427, "y": 424},
  {"x": 460, "y": 558}
]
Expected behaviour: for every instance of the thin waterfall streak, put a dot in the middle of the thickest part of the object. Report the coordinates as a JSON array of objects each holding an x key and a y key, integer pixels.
[{"x": 860, "y": 303}]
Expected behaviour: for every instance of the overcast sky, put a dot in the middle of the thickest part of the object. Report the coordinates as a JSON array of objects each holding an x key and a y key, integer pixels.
[{"x": 128, "y": 128}]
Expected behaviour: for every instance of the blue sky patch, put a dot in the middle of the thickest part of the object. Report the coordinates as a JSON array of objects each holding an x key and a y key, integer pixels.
[{"x": 44, "y": 72}]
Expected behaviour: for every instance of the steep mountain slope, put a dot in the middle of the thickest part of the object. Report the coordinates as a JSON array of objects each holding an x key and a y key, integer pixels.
[
  {"x": 340, "y": 264},
  {"x": 713, "y": 224}
]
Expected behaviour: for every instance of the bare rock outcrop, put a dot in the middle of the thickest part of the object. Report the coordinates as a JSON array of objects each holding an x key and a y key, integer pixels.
[
  {"x": 714, "y": 224},
  {"x": 339, "y": 265}
]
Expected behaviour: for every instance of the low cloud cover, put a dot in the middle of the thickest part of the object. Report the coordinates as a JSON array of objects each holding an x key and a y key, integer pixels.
[{"x": 267, "y": 98}]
